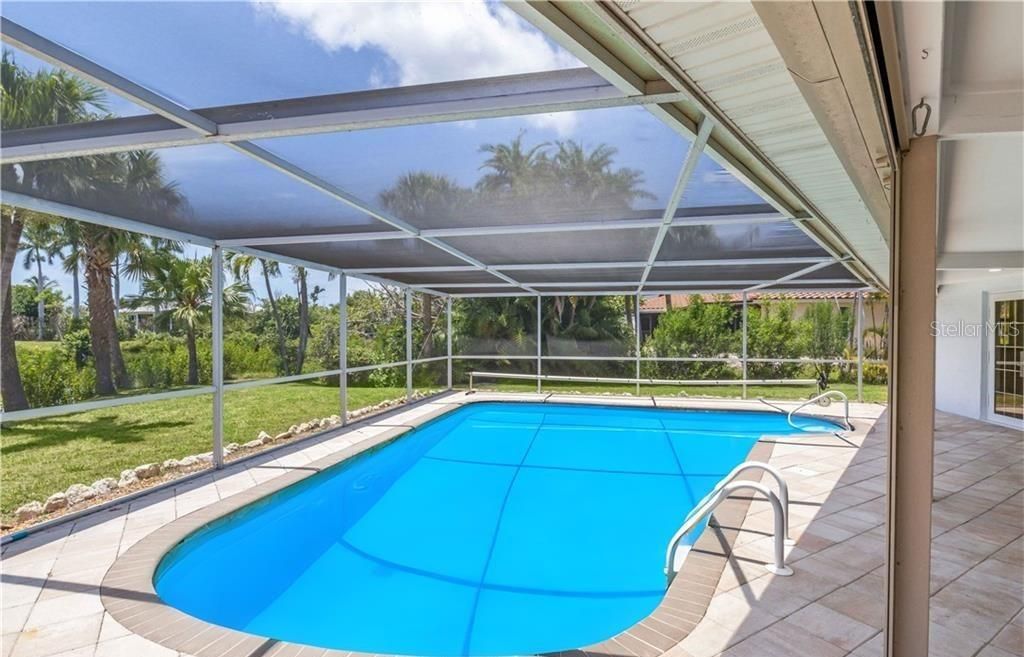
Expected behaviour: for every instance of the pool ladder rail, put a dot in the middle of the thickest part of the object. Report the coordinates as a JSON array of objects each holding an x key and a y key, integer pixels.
[
  {"x": 828, "y": 394},
  {"x": 721, "y": 492}
]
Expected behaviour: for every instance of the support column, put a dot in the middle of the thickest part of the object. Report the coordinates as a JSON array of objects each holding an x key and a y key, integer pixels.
[
  {"x": 448, "y": 334},
  {"x": 859, "y": 328},
  {"x": 217, "y": 348},
  {"x": 343, "y": 347},
  {"x": 636, "y": 330},
  {"x": 911, "y": 402},
  {"x": 743, "y": 321},
  {"x": 539, "y": 336},
  {"x": 408, "y": 346}
]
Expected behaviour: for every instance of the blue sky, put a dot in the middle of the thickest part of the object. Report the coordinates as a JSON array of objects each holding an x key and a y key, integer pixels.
[{"x": 213, "y": 53}]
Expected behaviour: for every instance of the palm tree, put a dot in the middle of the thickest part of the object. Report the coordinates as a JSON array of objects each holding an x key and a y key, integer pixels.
[
  {"x": 30, "y": 100},
  {"x": 241, "y": 266},
  {"x": 185, "y": 287},
  {"x": 420, "y": 197},
  {"x": 513, "y": 169},
  {"x": 40, "y": 244},
  {"x": 300, "y": 277}
]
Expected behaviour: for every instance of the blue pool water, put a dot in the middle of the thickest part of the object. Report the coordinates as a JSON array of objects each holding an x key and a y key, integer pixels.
[{"x": 497, "y": 529}]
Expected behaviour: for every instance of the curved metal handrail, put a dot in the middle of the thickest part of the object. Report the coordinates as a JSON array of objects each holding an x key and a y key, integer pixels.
[
  {"x": 779, "y": 566},
  {"x": 827, "y": 393},
  {"x": 783, "y": 493}
]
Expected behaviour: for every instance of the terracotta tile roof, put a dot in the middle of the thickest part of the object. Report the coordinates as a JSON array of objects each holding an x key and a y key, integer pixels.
[{"x": 656, "y": 304}]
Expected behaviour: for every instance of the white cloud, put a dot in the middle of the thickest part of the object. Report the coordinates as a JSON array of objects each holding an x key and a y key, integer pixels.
[{"x": 431, "y": 41}]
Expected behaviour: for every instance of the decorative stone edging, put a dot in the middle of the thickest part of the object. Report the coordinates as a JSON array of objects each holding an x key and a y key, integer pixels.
[
  {"x": 128, "y": 593},
  {"x": 132, "y": 478}
]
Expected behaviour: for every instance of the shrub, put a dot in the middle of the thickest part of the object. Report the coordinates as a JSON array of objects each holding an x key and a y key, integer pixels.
[
  {"x": 77, "y": 346},
  {"x": 51, "y": 378}
]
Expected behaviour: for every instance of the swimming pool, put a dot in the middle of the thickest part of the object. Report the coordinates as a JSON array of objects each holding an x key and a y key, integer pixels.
[{"x": 496, "y": 529}]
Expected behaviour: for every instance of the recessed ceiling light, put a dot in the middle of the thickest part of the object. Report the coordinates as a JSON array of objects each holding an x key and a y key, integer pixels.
[{"x": 996, "y": 269}]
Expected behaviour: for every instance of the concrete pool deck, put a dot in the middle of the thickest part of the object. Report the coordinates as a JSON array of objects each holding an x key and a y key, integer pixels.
[{"x": 831, "y": 606}]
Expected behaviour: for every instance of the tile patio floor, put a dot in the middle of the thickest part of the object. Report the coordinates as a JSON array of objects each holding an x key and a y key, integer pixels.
[{"x": 833, "y": 605}]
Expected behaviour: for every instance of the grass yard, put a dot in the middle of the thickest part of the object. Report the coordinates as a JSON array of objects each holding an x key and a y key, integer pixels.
[{"x": 42, "y": 457}]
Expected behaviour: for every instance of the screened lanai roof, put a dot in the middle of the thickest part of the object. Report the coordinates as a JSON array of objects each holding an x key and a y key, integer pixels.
[{"x": 451, "y": 148}]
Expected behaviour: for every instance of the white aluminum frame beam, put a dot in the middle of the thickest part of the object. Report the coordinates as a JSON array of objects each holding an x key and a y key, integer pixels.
[
  {"x": 463, "y": 100},
  {"x": 792, "y": 278},
  {"x": 685, "y": 174},
  {"x": 634, "y": 264},
  {"x": 42, "y": 48},
  {"x": 737, "y": 285},
  {"x": 767, "y": 217}
]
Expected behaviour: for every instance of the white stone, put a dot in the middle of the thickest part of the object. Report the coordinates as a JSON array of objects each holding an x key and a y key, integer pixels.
[
  {"x": 205, "y": 457},
  {"x": 147, "y": 471},
  {"x": 189, "y": 461},
  {"x": 79, "y": 493},
  {"x": 263, "y": 437},
  {"x": 104, "y": 486},
  {"x": 171, "y": 464},
  {"x": 55, "y": 502},
  {"x": 252, "y": 444},
  {"x": 294, "y": 429},
  {"x": 230, "y": 448},
  {"x": 29, "y": 511},
  {"x": 128, "y": 478},
  {"x": 283, "y": 436}
]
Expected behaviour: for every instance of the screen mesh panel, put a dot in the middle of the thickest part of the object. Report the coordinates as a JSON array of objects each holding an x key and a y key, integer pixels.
[
  {"x": 240, "y": 52},
  {"x": 573, "y": 166}
]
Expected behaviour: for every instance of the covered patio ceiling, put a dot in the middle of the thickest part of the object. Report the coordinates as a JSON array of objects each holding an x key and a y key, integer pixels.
[{"x": 329, "y": 180}]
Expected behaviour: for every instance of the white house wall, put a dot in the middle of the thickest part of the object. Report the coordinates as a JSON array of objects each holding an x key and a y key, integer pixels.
[{"x": 961, "y": 384}]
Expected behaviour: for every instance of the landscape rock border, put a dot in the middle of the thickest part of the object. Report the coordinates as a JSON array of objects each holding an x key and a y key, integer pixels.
[{"x": 77, "y": 495}]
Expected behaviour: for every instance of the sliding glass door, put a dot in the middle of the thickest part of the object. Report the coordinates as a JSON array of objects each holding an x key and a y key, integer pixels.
[{"x": 1006, "y": 333}]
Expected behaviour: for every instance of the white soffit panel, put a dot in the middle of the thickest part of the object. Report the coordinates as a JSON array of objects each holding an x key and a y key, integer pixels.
[{"x": 725, "y": 49}]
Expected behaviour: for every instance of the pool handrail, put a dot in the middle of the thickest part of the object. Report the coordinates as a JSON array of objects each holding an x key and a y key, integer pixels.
[
  {"x": 828, "y": 393},
  {"x": 707, "y": 507},
  {"x": 783, "y": 493}
]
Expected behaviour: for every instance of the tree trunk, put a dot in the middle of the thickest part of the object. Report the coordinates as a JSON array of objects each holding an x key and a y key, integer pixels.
[
  {"x": 282, "y": 352},
  {"x": 668, "y": 302},
  {"x": 11, "y": 389},
  {"x": 300, "y": 355},
  {"x": 76, "y": 302},
  {"x": 101, "y": 313},
  {"x": 117, "y": 287},
  {"x": 40, "y": 303},
  {"x": 193, "y": 357},
  {"x": 116, "y": 357},
  {"x": 428, "y": 326}
]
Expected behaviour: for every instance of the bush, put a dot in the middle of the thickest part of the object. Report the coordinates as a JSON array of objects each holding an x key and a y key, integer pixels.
[
  {"x": 77, "y": 346},
  {"x": 698, "y": 330},
  {"x": 51, "y": 378}
]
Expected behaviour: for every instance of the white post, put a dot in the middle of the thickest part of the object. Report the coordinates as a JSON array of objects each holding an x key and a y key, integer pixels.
[
  {"x": 539, "y": 336},
  {"x": 859, "y": 328},
  {"x": 217, "y": 319},
  {"x": 448, "y": 310},
  {"x": 408, "y": 346},
  {"x": 636, "y": 331},
  {"x": 343, "y": 347},
  {"x": 744, "y": 354}
]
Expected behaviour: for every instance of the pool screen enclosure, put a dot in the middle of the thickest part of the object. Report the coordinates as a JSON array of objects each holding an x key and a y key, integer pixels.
[{"x": 310, "y": 179}]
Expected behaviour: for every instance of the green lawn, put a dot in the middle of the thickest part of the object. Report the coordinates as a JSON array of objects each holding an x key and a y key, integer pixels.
[{"x": 41, "y": 457}]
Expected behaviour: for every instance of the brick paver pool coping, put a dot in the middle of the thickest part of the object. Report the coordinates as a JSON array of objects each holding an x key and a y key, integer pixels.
[{"x": 128, "y": 595}]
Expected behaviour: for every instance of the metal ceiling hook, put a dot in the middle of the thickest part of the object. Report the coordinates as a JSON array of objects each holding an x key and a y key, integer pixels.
[{"x": 919, "y": 132}]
